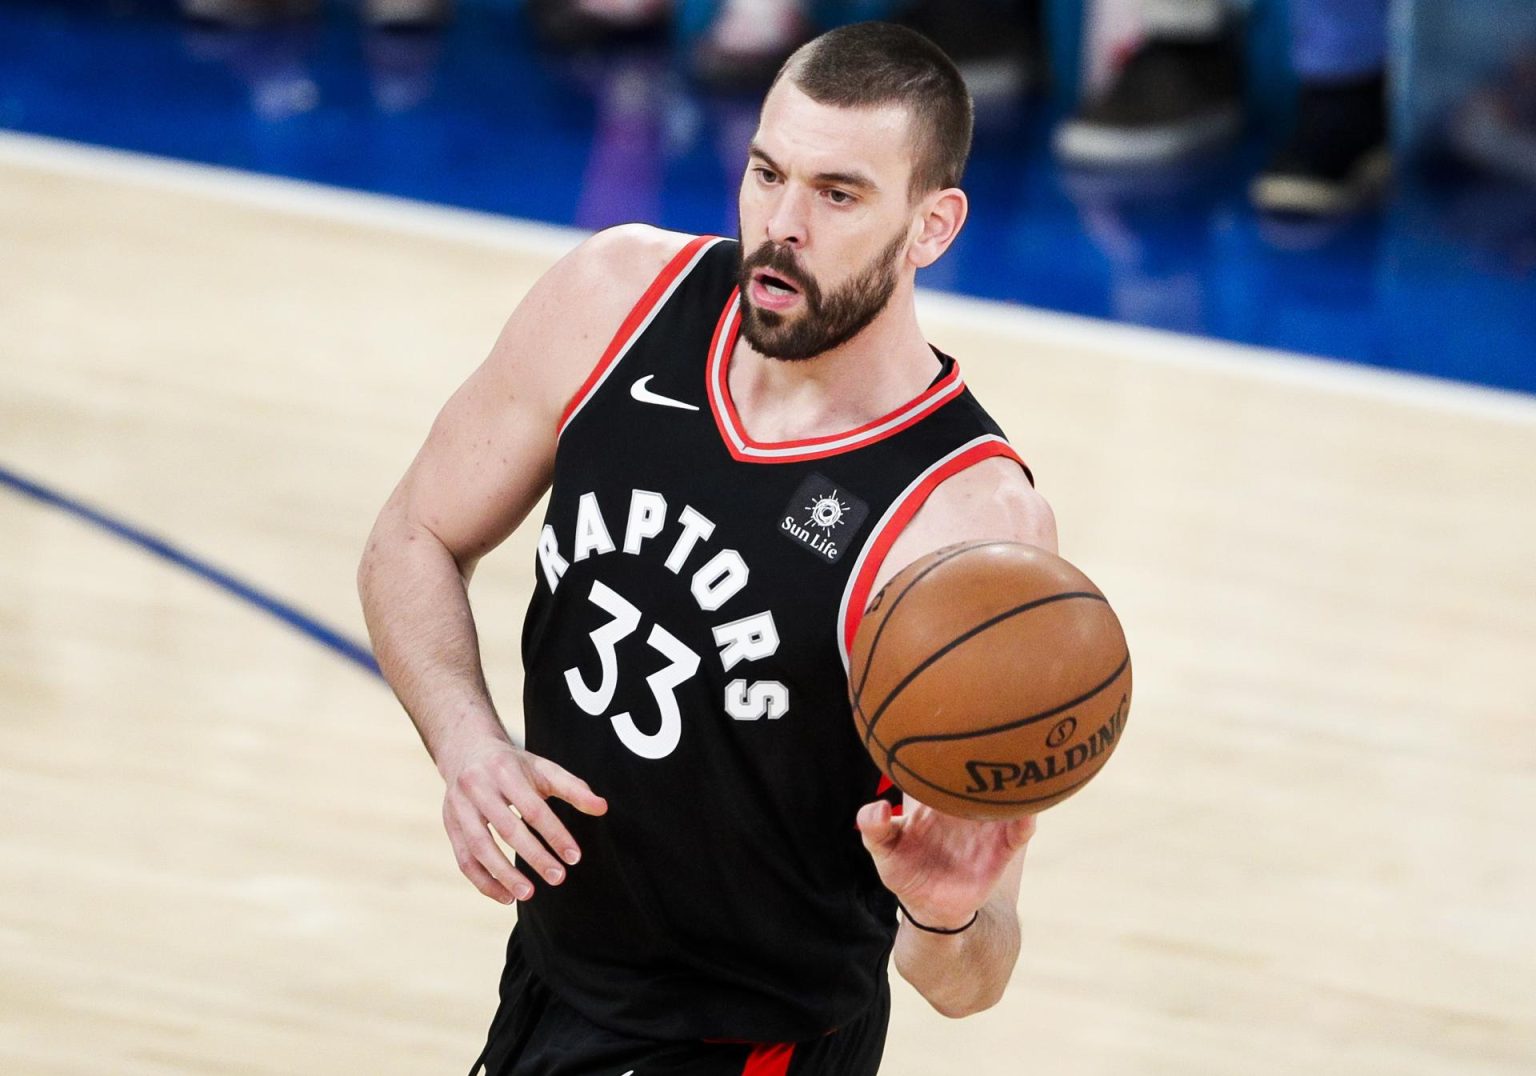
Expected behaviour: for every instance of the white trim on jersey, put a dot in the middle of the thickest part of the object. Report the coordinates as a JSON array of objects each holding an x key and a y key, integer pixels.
[{"x": 743, "y": 447}]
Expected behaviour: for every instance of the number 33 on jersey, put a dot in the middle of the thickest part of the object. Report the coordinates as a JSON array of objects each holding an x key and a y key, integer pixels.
[{"x": 712, "y": 584}]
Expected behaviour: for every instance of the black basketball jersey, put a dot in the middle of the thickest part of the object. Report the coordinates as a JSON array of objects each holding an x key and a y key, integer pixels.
[{"x": 686, "y": 654}]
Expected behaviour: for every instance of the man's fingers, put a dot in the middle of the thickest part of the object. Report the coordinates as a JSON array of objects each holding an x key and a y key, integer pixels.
[
  {"x": 473, "y": 844},
  {"x": 878, "y": 827},
  {"x": 515, "y": 832},
  {"x": 541, "y": 819},
  {"x": 552, "y": 780},
  {"x": 1020, "y": 830},
  {"x": 482, "y": 881},
  {"x": 556, "y": 781},
  {"x": 506, "y": 800},
  {"x": 476, "y": 841}
]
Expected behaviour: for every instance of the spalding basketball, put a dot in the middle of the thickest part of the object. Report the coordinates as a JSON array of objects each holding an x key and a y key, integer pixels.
[{"x": 990, "y": 679}]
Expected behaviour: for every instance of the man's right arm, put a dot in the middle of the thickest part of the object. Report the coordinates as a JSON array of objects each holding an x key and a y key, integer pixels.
[{"x": 487, "y": 460}]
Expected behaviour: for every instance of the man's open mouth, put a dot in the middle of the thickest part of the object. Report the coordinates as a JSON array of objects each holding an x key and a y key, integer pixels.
[{"x": 775, "y": 284}]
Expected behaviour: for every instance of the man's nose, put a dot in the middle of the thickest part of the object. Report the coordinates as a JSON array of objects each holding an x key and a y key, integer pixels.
[{"x": 787, "y": 222}]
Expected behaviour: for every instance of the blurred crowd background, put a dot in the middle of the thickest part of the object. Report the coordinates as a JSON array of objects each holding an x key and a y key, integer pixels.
[
  {"x": 1155, "y": 84},
  {"x": 1347, "y": 178}
]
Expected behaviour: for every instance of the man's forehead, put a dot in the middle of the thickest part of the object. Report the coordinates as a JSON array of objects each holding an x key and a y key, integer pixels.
[{"x": 801, "y": 133}]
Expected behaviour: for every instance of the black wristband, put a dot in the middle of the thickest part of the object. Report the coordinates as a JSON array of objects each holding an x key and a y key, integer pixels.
[{"x": 939, "y": 930}]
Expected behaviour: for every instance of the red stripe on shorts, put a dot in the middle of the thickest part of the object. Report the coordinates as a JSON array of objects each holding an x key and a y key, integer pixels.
[{"x": 769, "y": 1059}]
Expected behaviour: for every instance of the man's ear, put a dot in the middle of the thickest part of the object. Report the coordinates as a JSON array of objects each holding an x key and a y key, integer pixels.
[{"x": 942, "y": 215}]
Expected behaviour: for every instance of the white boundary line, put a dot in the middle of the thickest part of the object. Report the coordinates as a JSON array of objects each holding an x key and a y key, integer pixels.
[
  {"x": 1048, "y": 328},
  {"x": 1038, "y": 327},
  {"x": 290, "y": 196}
]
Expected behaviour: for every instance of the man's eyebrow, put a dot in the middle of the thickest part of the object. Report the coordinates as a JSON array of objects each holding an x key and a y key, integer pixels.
[
  {"x": 846, "y": 179},
  {"x": 838, "y": 179}
]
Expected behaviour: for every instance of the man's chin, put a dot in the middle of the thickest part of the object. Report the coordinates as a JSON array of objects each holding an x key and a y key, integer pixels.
[
  {"x": 761, "y": 326},
  {"x": 773, "y": 339}
]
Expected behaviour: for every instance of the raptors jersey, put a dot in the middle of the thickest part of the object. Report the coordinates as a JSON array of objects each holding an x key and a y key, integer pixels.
[{"x": 686, "y": 652}]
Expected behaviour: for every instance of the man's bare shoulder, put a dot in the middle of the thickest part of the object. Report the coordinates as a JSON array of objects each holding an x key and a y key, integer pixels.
[
  {"x": 615, "y": 266},
  {"x": 558, "y": 332},
  {"x": 993, "y": 499},
  {"x": 509, "y": 409}
]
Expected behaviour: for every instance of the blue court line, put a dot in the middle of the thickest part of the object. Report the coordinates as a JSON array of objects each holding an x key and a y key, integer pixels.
[{"x": 333, "y": 640}]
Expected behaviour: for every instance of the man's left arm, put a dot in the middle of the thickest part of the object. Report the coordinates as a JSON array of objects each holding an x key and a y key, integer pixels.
[{"x": 958, "y": 878}]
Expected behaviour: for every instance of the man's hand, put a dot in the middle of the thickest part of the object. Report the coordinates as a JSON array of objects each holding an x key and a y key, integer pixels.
[
  {"x": 941, "y": 868},
  {"x": 502, "y": 788}
]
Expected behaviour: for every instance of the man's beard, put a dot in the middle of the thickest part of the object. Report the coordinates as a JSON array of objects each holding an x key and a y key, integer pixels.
[{"x": 827, "y": 321}]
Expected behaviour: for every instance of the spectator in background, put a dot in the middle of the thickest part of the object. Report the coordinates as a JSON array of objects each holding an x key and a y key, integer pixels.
[
  {"x": 1180, "y": 94},
  {"x": 744, "y": 42},
  {"x": 1176, "y": 94},
  {"x": 577, "y": 23},
  {"x": 1495, "y": 127},
  {"x": 382, "y": 13},
  {"x": 740, "y": 44},
  {"x": 1337, "y": 157},
  {"x": 732, "y": 44}
]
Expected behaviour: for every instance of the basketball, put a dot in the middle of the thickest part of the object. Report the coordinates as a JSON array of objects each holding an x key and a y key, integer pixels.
[{"x": 990, "y": 679}]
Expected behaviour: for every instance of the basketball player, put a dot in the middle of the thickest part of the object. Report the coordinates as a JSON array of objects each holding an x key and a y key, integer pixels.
[{"x": 741, "y": 443}]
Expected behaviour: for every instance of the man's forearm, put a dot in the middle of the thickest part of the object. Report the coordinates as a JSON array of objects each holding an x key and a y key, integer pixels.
[
  {"x": 965, "y": 973},
  {"x": 417, "y": 609}
]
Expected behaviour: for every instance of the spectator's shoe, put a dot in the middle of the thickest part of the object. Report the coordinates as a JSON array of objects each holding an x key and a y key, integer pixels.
[
  {"x": 241, "y": 13},
  {"x": 747, "y": 43},
  {"x": 581, "y": 23},
  {"x": 1496, "y": 128},
  {"x": 1172, "y": 100},
  {"x": 997, "y": 56},
  {"x": 1337, "y": 160},
  {"x": 407, "y": 14}
]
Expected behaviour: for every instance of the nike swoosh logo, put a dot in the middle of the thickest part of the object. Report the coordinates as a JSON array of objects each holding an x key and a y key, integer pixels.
[{"x": 645, "y": 395}]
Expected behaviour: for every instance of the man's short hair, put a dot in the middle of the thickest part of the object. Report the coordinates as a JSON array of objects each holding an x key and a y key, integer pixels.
[{"x": 875, "y": 64}]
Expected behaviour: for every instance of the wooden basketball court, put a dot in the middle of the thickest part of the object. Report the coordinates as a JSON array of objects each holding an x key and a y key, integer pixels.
[{"x": 220, "y": 850}]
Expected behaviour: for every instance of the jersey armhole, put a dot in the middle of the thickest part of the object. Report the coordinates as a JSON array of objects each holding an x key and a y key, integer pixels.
[
  {"x": 635, "y": 323},
  {"x": 861, "y": 580}
]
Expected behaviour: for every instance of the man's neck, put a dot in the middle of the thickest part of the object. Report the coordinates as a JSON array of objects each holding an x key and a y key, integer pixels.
[{"x": 881, "y": 368}]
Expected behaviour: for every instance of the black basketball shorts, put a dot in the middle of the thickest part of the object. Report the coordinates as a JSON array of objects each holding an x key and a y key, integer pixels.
[{"x": 535, "y": 1034}]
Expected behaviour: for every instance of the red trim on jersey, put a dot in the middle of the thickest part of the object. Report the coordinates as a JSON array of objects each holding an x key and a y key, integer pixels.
[
  {"x": 636, "y": 317},
  {"x": 769, "y": 1059},
  {"x": 744, "y": 449},
  {"x": 898, "y": 516}
]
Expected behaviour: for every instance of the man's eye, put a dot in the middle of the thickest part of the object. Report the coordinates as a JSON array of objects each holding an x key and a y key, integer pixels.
[
  {"x": 766, "y": 175},
  {"x": 837, "y": 197}
]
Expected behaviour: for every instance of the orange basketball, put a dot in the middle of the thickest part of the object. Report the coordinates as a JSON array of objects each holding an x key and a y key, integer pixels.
[{"x": 990, "y": 679}]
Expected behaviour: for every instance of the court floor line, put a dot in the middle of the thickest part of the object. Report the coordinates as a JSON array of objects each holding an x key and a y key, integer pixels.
[
  {"x": 330, "y": 638},
  {"x": 1038, "y": 327}
]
